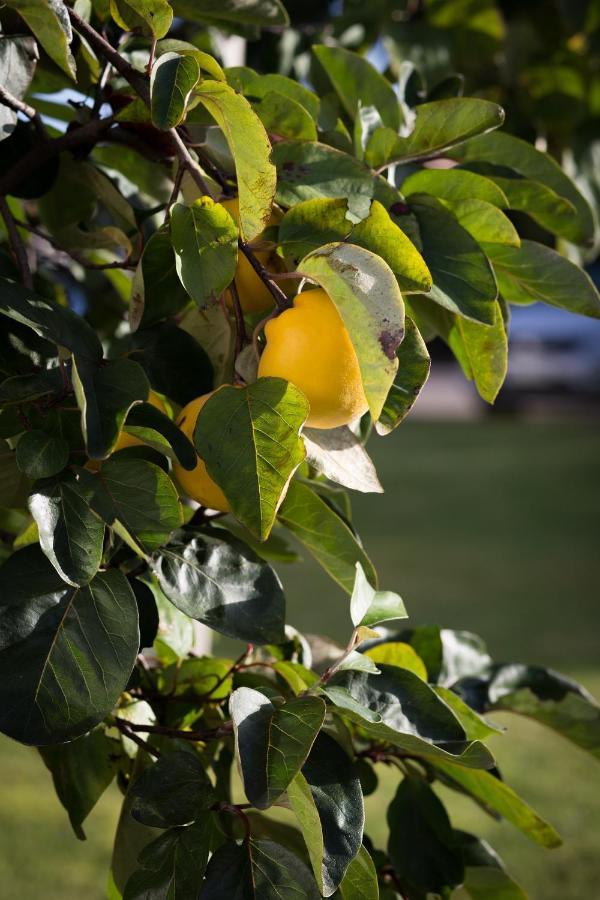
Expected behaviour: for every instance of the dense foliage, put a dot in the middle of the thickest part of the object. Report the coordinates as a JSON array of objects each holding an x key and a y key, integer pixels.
[{"x": 158, "y": 220}]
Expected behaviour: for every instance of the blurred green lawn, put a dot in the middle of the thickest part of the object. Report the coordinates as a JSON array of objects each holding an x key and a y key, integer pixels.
[{"x": 491, "y": 526}]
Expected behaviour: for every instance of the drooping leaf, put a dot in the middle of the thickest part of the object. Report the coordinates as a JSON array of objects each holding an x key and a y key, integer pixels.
[
  {"x": 476, "y": 727},
  {"x": 65, "y": 653},
  {"x": 438, "y": 126},
  {"x": 422, "y": 844},
  {"x": 70, "y": 533},
  {"x": 265, "y": 13},
  {"x": 257, "y": 870},
  {"x": 495, "y": 794},
  {"x": 249, "y": 439},
  {"x": 151, "y": 18},
  {"x": 223, "y": 584},
  {"x": 105, "y": 394},
  {"x": 50, "y": 23},
  {"x": 414, "y": 364},
  {"x": 272, "y": 741},
  {"x": 325, "y": 534},
  {"x": 339, "y": 455},
  {"x": 357, "y": 82},
  {"x": 448, "y": 654},
  {"x": 326, "y": 798},
  {"x": 156, "y": 429},
  {"x": 485, "y": 223},
  {"x": 534, "y": 272},
  {"x": 360, "y": 880},
  {"x": 204, "y": 238},
  {"x": 156, "y": 291},
  {"x": 544, "y": 205},
  {"x": 18, "y": 58},
  {"x": 172, "y": 791},
  {"x": 365, "y": 292},
  {"x": 138, "y": 500},
  {"x": 173, "y": 78},
  {"x": 40, "y": 455},
  {"x": 81, "y": 772},
  {"x": 250, "y": 148},
  {"x": 370, "y": 607}
]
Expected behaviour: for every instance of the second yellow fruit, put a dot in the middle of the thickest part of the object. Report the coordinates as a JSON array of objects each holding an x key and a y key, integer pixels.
[
  {"x": 197, "y": 483},
  {"x": 254, "y": 296},
  {"x": 309, "y": 346}
]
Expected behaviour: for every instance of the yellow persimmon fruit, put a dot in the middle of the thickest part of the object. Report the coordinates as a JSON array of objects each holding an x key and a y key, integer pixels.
[
  {"x": 197, "y": 483},
  {"x": 128, "y": 440},
  {"x": 254, "y": 296},
  {"x": 309, "y": 346}
]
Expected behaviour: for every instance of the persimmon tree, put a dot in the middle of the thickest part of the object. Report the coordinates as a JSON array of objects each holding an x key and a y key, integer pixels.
[{"x": 217, "y": 284}]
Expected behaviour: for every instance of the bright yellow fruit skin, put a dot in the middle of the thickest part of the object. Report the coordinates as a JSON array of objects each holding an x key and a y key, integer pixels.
[
  {"x": 197, "y": 483},
  {"x": 128, "y": 440},
  {"x": 309, "y": 345},
  {"x": 254, "y": 296}
]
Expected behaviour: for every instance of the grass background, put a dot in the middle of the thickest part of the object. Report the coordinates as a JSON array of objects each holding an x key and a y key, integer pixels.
[{"x": 491, "y": 526}]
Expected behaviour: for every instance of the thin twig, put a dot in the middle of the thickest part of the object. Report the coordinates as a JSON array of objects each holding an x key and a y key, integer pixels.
[
  {"x": 181, "y": 169},
  {"x": 241, "y": 337},
  {"x": 18, "y": 247},
  {"x": 125, "y": 728},
  {"x": 276, "y": 292},
  {"x": 188, "y": 162},
  {"x": 19, "y": 106},
  {"x": 204, "y": 736},
  {"x": 151, "y": 58}
]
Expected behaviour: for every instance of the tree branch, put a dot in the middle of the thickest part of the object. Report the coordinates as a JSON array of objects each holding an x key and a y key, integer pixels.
[
  {"x": 125, "y": 264},
  {"x": 7, "y": 99},
  {"x": 210, "y": 735},
  {"x": 18, "y": 247}
]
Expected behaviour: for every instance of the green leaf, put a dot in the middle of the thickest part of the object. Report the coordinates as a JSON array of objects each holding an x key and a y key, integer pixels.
[
  {"x": 70, "y": 533},
  {"x": 310, "y": 224},
  {"x": 18, "y": 58},
  {"x": 257, "y": 870},
  {"x": 502, "y": 149},
  {"x": 438, "y": 126},
  {"x": 489, "y": 883},
  {"x": 251, "y": 150},
  {"x": 206, "y": 62},
  {"x": 105, "y": 394},
  {"x": 265, "y": 13},
  {"x": 33, "y": 386},
  {"x": 414, "y": 364},
  {"x": 476, "y": 727},
  {"x": 449, "y": 655},
  {"x": 50, "y": 23},
  {"x": 172, "y": 80},
  {"x": 463, "y": 281},
  {"x": 40, "y": 455},
  {"x": 454, "y": 185},
  {"x": 81, "y": 772},
  {"x": 339, "y": 455},
  {"x": 357, "y": 82},
  {"x": 422, "y": 846},
  {"x": 485, "y": 223},
  {"x": 544, "y": 205},
  {"x": 204, "y": 238},
  {"x": 370, "y": 607},
  {"x": 50, "y": 321},
  {"x": 174, "y": 864},
  {"x": 272, "y": 741},
  {"x": 360, "y": 880},
  {"x": 156, "y": 429},
  {"x": 397, "y": 653},
  {"x": 308, "y": 171},
  {"x": 357, "y": 662},
  {"x": 534, "y": 272},
  {"x": 14, "y": 486},
  {"x": 379, "y": 234},
  {"x": 151, "y": 18},
  {"x": 172, "y": 791},
  {"x": 285, "y": 117},
  {"x": 364, "y": 290},
  {"x": 65, "y": 653},
  {"x": 327, "y": 800},
  {"x": 138, "y": 500},
  {"x": 223, "y": 584},
  {"x": 258, "y": 86},
  {"x": 156, "y": 291},
  {"x": 325, "y": 534},
  {"x": 495, "y": 794},
  {"x": 249, "y": 439}
]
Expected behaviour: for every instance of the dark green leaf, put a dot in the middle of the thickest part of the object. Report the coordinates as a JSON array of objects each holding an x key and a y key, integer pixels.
[
  {"x": 485, "y": 875},
  {"x": 147, "y": 611},
  {"x": 413, "y": 371},
  {"x": 463, "y": 281},
  {"x": 40, "y": 455},
  {"x": 171, "y": 83},
  {"x": 533, "y": 272},
  {"x": 272, "y": 741},
  {"x": 223, "y": 584},
  {"x": 325, "y": 534},
  {"x": 476, "y": 727},
  {"x": 360, "y": 880},
  {"x": 14, "y": 486},
  {"x": 71, "y": 534},
  {"x": 105, "y": 394},
  {"x": 544, "y": 205},
  {"x": 204, "y": 238},
  {"x": 138, "y": 500},
  {"x": 257, "y": 870},
  {"x": 285, "y": 117},
  {"x": 81, "y": 772},
  {"x": 265, "y": 13},
  {"x": 50, "y": 23},
  {"x": 250, "y": 442},
  {"x": 34, "y": 386},
  {"x": 156, "y": 291},
  {"x": 258, "y": 86},
  {"x": 449, "y": 655},
  {"x": 422, "y": 845},
  {"x": 65, "y": 653},
  {"x": 18, "y": 58},
  {"x": 327, "y": 800},
  {"x": 174, "y": 864},
  {"x": 150, "y": 17},
  {"x": 172, "y": 791},
  {"x": 370, "y": 607},
  {"x": 157, "y": 430}
]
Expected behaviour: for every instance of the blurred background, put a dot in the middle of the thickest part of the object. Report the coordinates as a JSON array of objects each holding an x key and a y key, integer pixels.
[{"x": 489, "y": 520}]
